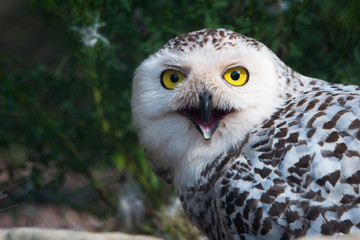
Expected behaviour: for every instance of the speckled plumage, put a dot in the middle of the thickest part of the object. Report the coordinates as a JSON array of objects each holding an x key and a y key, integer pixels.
[{"x": 284, "y": 160}]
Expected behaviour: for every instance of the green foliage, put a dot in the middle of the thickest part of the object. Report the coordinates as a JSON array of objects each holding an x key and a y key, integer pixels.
[{"x": 73, "y": 114}]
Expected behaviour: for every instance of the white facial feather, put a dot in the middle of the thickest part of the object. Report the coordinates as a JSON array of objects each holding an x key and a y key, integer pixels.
[{"x": 170, "y": 138}]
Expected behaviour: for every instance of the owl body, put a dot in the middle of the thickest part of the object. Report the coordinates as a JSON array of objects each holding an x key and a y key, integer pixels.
[
  {"x": 254, "y": 149},
  {"x": 280, "y": 184}
]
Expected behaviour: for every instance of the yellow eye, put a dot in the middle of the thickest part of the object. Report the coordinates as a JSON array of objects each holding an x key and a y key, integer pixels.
[
  {"x": 171, "y": 78},
  {"x": 236, "y": 76}
]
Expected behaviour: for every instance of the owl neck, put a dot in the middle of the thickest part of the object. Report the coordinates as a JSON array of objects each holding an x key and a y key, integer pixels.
[{"x": 205, "y": 174}]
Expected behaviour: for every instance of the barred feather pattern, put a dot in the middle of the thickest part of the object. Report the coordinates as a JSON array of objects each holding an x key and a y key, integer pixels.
[{"x": 296, "y": 174}]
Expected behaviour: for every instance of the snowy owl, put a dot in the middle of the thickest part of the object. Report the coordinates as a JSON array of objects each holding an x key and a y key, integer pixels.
[{"x": 254, "y": 149}]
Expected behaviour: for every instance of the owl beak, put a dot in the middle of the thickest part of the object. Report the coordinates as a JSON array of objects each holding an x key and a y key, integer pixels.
[
  {"x": 205, "y": 107},
  {"x": 208, "y": 127}
]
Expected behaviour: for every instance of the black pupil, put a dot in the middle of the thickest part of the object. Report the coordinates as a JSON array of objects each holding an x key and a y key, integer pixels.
[
  {"x": 174, "y": 78},
  {"x": 235, "y": 75}
]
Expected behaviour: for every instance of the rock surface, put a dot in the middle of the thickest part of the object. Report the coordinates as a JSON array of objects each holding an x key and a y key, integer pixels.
[
  {"x": 62, "y": 234},
  {"x": 347, "y": 237},
  {"x": 25, "y": 233}
]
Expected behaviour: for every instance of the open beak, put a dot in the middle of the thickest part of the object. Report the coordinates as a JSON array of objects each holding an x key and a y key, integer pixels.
[{"x": 206, "y": 119}]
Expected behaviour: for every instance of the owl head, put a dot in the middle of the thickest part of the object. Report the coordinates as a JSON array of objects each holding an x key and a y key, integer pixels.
[{"x": 199, "y": 95}]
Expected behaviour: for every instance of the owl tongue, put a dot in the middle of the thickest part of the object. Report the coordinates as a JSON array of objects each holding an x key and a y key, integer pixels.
[{"x": 206, "y": 128}]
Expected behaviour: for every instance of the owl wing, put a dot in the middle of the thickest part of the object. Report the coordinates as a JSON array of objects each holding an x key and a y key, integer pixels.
[{"x": 300, "y": 173}]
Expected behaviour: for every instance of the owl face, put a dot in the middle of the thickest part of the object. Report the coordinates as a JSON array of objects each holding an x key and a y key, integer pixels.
[{"x": 200, "y": 93}]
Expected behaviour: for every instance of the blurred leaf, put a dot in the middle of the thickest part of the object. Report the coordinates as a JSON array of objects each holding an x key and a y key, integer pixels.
[{"x": 119, "y": 160}]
